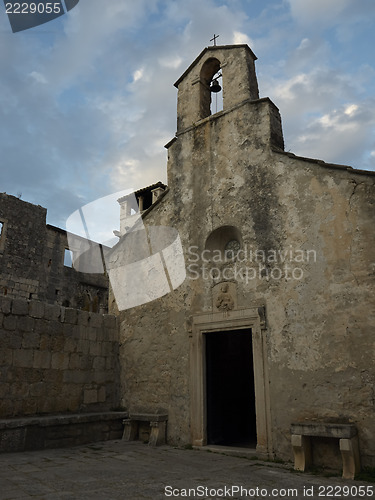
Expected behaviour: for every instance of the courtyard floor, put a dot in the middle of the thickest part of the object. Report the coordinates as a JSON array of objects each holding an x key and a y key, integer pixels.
[{"x": 121, "y": 470}]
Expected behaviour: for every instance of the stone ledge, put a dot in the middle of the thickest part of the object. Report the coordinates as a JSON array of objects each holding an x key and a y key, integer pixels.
[
  {"x": 63, "y": 419},
  {"x": 324, "y": 429},
  {"x": 324, "y": 164},
  {"x": 148, "y": 417},
  {"x": 11, "y": 306},
  {"x": 55, "y": 431}
]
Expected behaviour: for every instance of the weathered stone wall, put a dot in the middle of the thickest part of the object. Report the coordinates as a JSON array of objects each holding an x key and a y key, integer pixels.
[
  {"x": 55, "y": 359},
  {"x": 22, "y": 247},
  {"x": 319, "y": 220},
  {"x": 321, "y": 326},
  {"x": 32, "y": 261}
]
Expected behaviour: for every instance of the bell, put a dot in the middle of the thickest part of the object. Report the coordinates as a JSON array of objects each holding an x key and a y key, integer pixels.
[{"x": 215, "y": 86}]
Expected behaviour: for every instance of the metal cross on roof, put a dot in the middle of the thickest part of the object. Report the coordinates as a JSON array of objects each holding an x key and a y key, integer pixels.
[{"x": 214, "y": 39}]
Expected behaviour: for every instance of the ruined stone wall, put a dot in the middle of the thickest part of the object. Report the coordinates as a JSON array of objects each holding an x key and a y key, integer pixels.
[
  {"x": 55, "y": 359},
  {"x": 32, "y": 261},
  {"x": 65, "y": 285},
  {"x": 22, "y": 247}
]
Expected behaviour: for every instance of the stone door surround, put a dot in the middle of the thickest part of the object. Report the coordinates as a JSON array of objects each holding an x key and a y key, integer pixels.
[{"x": 224, "y": 321}]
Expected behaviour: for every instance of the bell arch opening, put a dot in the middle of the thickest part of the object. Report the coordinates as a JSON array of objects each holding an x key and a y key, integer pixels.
[{"x": 209, "y": 73}]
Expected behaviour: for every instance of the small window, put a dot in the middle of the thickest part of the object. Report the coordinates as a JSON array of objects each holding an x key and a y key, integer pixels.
[
  {"x": 2, "y": 234},
  {"x": 68, "y": 258}
]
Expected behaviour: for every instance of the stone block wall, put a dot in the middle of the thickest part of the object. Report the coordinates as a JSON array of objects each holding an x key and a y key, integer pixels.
[
  {"x": 55, "y": 359},
  {"x": 23, "y": 232}
]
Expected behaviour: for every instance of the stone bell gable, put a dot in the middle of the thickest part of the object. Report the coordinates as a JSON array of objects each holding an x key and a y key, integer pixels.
[
  {"x": 245, "y": 120},
  {"x": 236, "y": 62}
]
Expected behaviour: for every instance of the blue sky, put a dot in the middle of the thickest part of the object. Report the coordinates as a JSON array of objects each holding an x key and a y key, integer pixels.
[{"x": 87, "y": 101}]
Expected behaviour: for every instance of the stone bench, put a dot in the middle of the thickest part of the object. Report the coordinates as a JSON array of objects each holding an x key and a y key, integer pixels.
[
  {"x": 158, "y": 425},
  {"x": 348, "y": 441},
  {"x": 57, "y": 431}
]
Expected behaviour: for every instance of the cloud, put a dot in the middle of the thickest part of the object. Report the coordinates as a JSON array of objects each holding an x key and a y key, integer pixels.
[
  {"x": 312, "y": 92},
  {"x": 87, "y": 101},
  {"x": 138, "y": 74},
  {"x": 38, "y": 77},
  {"x": 310, "y": 11},
  {"x": 342, "y": 135},
  {"x": 170, "y": 62},
  {"x": 334, "y": 12},
  {"x": 345, "y": 21},
  {"x": 240, "y": 38},
  {"x": 326, "y": 115},
  {"x": 142, "y": 115}
]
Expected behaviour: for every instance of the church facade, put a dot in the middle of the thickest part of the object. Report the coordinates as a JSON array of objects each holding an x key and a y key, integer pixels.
[
  {"x": 251, "y": 321},
  {"x": 274, "y": 323}
]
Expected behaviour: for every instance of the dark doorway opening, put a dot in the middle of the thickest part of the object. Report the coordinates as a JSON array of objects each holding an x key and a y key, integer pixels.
[{"x": 230, "y": 395}]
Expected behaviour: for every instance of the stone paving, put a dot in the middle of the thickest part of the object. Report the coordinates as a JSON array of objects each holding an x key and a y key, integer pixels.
[{"x": 121, "y": 470}]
